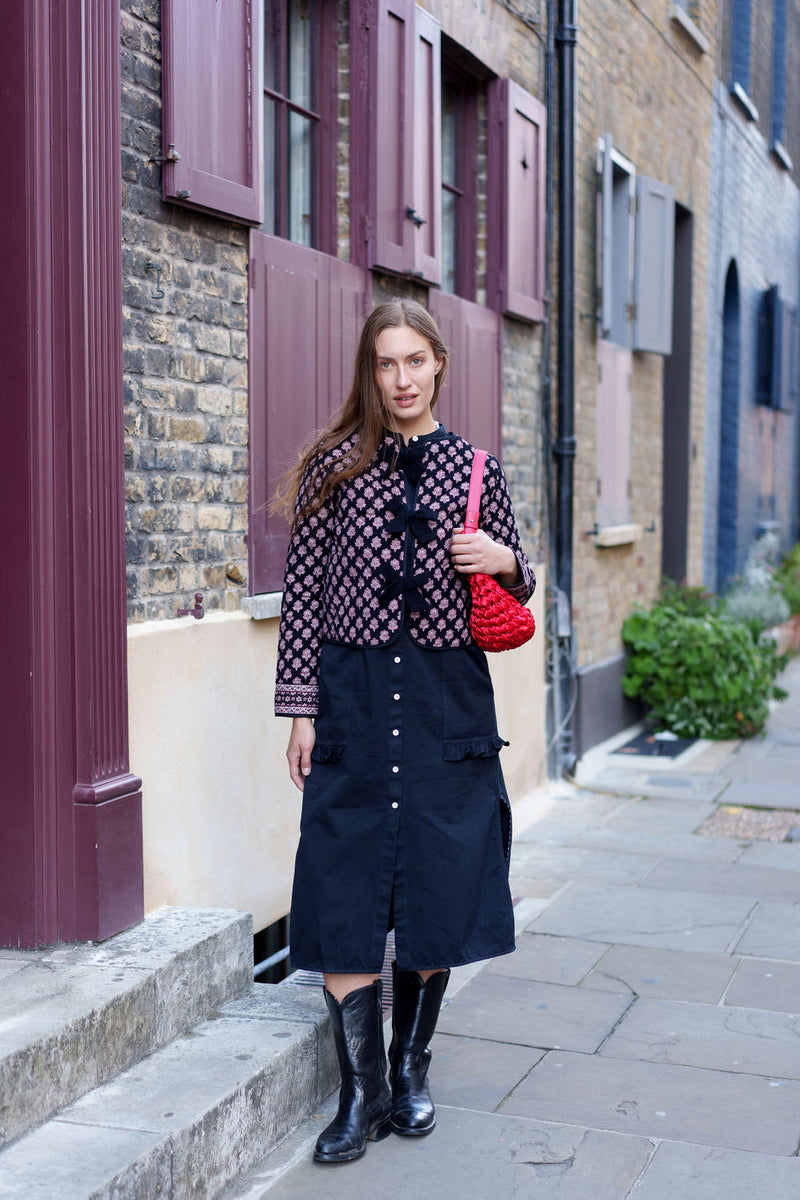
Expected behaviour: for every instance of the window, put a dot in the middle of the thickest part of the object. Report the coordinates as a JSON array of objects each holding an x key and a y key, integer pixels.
[
  {"x": 740, "y": 57},
  {"x": 459, "y": 179},
  {"x": 299, "y": 99},
  {"x": 779, "y": 85},
  {"x": 777, "y": 373}
]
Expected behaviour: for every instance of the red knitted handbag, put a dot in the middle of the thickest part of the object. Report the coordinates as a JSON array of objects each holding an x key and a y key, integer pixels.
[{"x": 497, "y": 621}]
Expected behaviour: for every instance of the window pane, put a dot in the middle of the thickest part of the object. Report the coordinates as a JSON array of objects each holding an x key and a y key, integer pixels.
[
  {"x": 449, "y": 211},
  {"x": 271, "y": 116},
  {"x": 449, "y": 126},
  {"x": 300, "y": 81},
  {"x": 272, "y": 45},
  {"x": 301, "y": 139}
]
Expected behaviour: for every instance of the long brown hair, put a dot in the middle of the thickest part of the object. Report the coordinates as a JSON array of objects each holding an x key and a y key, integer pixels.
[{"x": 361, "y": 417}]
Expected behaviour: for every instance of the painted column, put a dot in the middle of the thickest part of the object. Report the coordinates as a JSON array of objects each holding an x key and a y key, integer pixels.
[{"x": 71, "y": 850}]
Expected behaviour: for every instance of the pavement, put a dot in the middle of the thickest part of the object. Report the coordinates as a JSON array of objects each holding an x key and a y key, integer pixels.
[{"x": 644, "y": 1039}]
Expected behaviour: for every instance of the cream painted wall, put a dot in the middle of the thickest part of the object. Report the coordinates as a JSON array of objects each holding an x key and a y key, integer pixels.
[{"x": 220, "y": 814}]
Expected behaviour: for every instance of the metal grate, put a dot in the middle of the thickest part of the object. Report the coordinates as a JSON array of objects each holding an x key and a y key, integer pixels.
[{"x": 315, "y": 979}]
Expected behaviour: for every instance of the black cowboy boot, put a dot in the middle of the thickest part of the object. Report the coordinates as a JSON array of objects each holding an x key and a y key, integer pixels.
[
  {"x": 364, "y": 1097},
  {"x": 415, "y": 1012}
]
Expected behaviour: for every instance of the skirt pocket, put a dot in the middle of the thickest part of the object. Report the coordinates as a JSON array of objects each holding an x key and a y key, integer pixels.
[
  {"x": 474, "y": 747},
  {"x": 327, "y": 752}
]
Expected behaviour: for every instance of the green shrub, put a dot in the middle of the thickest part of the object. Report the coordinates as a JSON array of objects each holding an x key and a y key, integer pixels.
[
  {"x": 691, "y": 601},
  {"x": 700, "y": 676},
  {"x": 787, "y": 577}
]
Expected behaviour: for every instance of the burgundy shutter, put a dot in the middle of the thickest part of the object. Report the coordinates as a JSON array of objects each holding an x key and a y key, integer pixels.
[
  {"x": 306, "y": 311},
  {"x": 517, "y": 166},
  {"x": 405, "y": 150},
  {"x": 392, "y": 68},
  {"x": 654, "y": 266},
  {"x": 213, "y": 106},
  {"x": 613, "y": 433},
  {"x": 470, "y": 401},
  {"x": 426, "y": 197}
]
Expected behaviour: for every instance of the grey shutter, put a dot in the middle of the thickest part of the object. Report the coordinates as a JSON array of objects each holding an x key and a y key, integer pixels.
[
  {"x": 654, "y": 266},
  {"x": 790, "y": 367},
  {"x": 213, "y": 106},
  {"x": 606, "y": 237}
]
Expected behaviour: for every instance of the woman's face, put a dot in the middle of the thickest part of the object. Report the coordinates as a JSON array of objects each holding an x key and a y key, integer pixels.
[{"x": 405, "y": 371}]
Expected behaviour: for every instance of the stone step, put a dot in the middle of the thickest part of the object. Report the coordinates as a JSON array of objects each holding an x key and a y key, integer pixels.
[
  {"x": 188, "y": 1120},
  {"x": 74, "y": 1017}
]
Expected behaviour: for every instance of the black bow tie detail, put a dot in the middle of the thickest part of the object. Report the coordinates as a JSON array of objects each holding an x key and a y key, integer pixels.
[
  {"x": 408, "y": 458},
  {"x": 416, "y": 520},
  {"x": 396, "y": 586}
]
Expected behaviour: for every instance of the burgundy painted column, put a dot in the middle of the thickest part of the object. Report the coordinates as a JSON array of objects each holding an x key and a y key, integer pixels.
[{"x": 70, "y": 840}]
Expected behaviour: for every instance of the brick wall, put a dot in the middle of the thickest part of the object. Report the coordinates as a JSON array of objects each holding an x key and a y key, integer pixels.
[
  {"x": 185, "y": 366},
  {"x": 755, "y": 218},
  {"x": 642, "y": 80}
]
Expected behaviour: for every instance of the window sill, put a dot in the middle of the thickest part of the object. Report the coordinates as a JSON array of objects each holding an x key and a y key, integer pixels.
[
  {"x": 781, "y": 155},
  {"x": 617, "y": 535},
  {"x": 681, "y": 18},
  {"x": 745, "y": 103},
  {"x": 263, "y": 606}
]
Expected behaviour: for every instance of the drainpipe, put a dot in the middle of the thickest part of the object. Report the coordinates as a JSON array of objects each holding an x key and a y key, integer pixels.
[{"x": 566, "y": 37}]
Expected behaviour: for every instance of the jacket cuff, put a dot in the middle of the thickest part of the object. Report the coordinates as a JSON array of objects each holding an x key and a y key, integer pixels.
[
  {"x": 296, "y": 700},
  {"x": 523, "y": 590}
]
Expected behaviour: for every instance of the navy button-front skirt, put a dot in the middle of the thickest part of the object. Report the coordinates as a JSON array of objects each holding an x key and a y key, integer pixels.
[{"x": 405, "y": 817}]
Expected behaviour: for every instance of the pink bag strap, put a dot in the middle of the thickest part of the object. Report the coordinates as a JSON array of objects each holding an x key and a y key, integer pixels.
[{"x": 474, "y": 498}]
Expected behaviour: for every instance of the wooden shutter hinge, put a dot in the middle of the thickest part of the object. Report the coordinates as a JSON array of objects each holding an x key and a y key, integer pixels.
[
  {"x": 630, "y": 311},
  {"x": 172, "y": 156}
]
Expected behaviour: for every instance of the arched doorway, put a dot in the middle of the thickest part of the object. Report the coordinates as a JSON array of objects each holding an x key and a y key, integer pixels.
[{"x": 729, "y": 430}]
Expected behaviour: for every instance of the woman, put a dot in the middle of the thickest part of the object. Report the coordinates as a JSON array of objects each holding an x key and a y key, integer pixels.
[{"x": 394, "y": 740}]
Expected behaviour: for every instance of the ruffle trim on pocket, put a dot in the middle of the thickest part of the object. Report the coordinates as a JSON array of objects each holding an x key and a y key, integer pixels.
[
  {"x": 473, "y": 748},
  {"x": 327, "y": 752}
]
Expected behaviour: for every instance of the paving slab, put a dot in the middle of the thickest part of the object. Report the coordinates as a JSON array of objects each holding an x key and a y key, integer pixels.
[
  {"x": 760, "y": 983},
  {"x": 533, "y": 1014},
  {"x": 692, "y": 846},
  {"x": 764, "y": 794},
  {"x": 774, "y": 932},
  {"x": 668, "y": 974},
  {"x": 741, "y": 1040},
  {"x": 669, "y": 920},
  {"x": 673, "y": 874},
  {"x": 655, "y": 817},
  {"x": 775, "y": 856},
  {"x": 506, "y": 1157},
  {"x": 567, "y": 816},
  {"x": 705, "y": 1173},
  {"x": 548, "y": 959},
  {"x": 476, "y": 1074},
  {"x": 627, "y": 781},
  {"x": 577, "y": 862},
  {"x": 688, "y": 1104},
  {"x": 763, "y": 773}
]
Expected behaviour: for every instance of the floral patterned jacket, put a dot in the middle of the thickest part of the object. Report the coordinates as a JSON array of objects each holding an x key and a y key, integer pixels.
[{"x": 376, "y": 554}]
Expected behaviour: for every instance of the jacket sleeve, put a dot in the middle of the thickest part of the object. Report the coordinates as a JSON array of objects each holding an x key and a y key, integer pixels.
[
  {"x": 303, "y": 610},
  {"x": 497, "y": 519}
]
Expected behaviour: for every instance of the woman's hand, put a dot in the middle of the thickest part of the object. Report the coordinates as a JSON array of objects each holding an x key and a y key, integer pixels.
[
  {"x": 472, "y": 553},
  {"x": 301, "y": 743}
]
